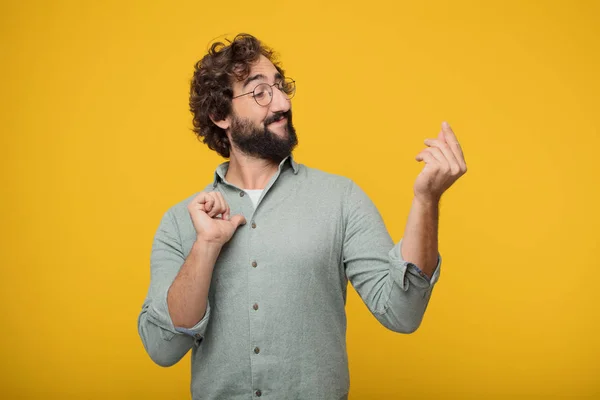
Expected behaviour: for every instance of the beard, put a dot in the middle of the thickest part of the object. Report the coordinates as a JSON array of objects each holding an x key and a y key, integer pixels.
[{"x": 260, "y": 142}]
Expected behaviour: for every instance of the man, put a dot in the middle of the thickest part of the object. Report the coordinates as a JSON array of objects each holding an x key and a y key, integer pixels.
[{"x": 252, "y": 272}]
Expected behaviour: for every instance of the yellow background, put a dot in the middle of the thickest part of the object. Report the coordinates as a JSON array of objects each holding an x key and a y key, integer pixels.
[{"x": 96, "y": 144}]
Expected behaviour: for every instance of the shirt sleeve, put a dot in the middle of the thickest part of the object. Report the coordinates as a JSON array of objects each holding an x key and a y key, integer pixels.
[
  {"x": 413, "y": 269},
  {"x": 396, "y": 292},
  {"x": 197, "y": 331},
  {"x": 164, "y": 343}
]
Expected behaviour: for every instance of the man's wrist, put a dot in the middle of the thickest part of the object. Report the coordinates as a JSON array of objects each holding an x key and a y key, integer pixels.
[
  {"x": 426, "y": 201},
  {"x": 206, "y": 247}
]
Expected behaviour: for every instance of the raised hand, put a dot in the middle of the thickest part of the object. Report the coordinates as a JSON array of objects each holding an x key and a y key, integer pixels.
[
  {"x": 444, "y": 164},
  {"x": 210, "y": 215}
]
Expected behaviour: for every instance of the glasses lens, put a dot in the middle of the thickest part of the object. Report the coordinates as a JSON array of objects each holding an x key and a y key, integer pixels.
[
  {"x": 288, "y": 86},
  {"x": 263, "y": 94}
]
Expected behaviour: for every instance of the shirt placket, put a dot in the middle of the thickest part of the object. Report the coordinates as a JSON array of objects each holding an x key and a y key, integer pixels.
[
  {"x": 253, "y": 303},
  {"x": 256, "y": 308},
  {"x": 258, "y": 349}
]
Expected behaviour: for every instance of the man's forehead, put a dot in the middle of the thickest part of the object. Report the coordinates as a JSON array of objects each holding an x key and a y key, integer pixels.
[
  {"x": 263, "y": 64},
  {"x": 261, "y": 70},
  {"x": 262, "y": 67}
]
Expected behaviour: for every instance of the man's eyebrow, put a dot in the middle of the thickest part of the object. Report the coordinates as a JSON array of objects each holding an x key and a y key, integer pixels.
[
  {"x": 253, "y": 78},
  {"x": 278, "y": 76}
]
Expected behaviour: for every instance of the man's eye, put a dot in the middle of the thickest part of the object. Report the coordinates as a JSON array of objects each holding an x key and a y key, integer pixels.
[{"x": 259, "y": 94}]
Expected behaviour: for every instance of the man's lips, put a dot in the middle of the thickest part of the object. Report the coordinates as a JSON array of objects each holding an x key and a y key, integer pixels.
[
  {"x": 282, "y": 121},
  {"x": 278, "y": 120}
]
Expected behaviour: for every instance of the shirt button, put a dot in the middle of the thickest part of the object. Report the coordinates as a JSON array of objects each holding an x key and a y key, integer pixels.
[
  {"x": 258, "y": 393},
  {"x": 253, "y": 225},
  {"x": 255, "y": 306},
  {"x": 254, "y": 264},
  {"x": 256, "y": 350},
  {"x": 242, "y": 194}
]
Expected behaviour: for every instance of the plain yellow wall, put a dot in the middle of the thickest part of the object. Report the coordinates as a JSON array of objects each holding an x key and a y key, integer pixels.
[{"x": 96, "y": 144}]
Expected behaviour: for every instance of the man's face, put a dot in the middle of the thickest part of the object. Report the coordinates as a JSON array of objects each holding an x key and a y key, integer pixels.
[{"x": 262, "y": 131}]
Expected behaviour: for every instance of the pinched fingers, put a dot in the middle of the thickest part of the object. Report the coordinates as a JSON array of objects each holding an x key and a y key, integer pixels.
[
  {"x": 207, "y": 202},
  {"x": 446, "y": 152},
  {"x": 224, "y": 210},
  {"x": 453, "y": 143},
  {"x": 215, "y": 204},
  {"x": 202, "y": 202},
  {"x": 426, "y": 156},
  {"x": 436, "y": 158},
  {"x": 210, "y": 203}
]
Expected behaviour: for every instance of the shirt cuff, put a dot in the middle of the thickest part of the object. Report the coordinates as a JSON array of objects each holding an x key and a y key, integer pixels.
[
  {"x": 411, "y": 268},
  {"x": 197, "y": 331},
  {"x": 158, "y": 313}
]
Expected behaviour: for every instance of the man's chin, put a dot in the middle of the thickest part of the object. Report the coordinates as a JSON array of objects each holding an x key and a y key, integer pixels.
[{"x": 279, "y": 131}]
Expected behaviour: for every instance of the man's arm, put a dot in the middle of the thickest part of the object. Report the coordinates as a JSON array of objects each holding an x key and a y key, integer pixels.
[
  {"x": 444, "y": 164},
  {"x": 389, "y": 278},
  {"x": 393, "y": 289},
  {"x": 187, "y": 296},
  {"x": 176, "y": 310},
  {"x": 420, "y": 240},
  {"x": 163, "y": 342}
]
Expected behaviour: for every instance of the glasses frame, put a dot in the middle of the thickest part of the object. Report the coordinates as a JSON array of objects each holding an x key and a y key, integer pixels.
[{"x": 271, "y": 88}]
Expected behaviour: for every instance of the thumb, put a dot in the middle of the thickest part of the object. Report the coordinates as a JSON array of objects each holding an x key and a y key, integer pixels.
[{"x": 238, "y": 220}]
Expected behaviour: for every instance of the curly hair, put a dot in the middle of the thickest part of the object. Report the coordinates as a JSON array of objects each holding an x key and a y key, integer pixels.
[{"x": 211, "y": 87}]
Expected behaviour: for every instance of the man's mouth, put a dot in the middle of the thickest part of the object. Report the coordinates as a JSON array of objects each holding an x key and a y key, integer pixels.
[{"x": 278, "y": 120}]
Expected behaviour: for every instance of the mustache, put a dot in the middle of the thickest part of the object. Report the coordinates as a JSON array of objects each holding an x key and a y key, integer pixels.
[{"x": 278, "y": 115}]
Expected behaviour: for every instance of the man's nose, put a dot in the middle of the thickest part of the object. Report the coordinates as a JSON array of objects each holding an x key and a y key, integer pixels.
[{"x": 280, "y": 101}]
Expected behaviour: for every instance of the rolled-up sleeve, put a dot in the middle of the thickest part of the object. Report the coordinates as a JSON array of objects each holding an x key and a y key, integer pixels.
[
  {"x": 395, "y": 291},
  {"x": 197, "y": 331},
  {"x": 165, "y": 343}
]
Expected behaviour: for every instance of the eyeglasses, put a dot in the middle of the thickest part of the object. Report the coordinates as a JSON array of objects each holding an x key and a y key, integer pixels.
[{"x": 263, "y": 92}]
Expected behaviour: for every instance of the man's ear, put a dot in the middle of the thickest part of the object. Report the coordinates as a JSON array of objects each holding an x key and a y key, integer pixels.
[{"x": 223, "y": 124}]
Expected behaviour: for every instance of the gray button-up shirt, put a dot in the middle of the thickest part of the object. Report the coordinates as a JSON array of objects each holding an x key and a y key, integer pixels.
[{"x": 275, "y": 325}]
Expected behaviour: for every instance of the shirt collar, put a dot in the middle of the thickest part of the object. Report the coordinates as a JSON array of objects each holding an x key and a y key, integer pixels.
[{"x": 221, "y": 170}]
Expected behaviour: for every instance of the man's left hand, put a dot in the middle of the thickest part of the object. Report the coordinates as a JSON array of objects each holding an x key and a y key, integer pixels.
[{"x": 444, "y": 164}]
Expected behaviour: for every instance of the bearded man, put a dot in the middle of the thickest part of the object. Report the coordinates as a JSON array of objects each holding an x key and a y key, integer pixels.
[{"x": 251, "y": 273}]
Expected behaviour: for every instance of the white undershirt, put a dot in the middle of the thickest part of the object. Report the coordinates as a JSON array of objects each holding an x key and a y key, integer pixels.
[{"x": 254, "y": 195}]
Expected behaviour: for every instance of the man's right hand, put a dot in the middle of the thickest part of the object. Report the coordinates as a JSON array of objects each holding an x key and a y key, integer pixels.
[{"x": 210, "y": 215}]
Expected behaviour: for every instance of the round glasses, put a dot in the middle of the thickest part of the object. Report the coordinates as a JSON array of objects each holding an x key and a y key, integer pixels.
[{"x": 263, "y": 92}]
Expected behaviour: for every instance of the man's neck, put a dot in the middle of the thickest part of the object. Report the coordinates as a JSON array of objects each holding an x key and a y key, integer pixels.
[{"x": 248, "y": 172}]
